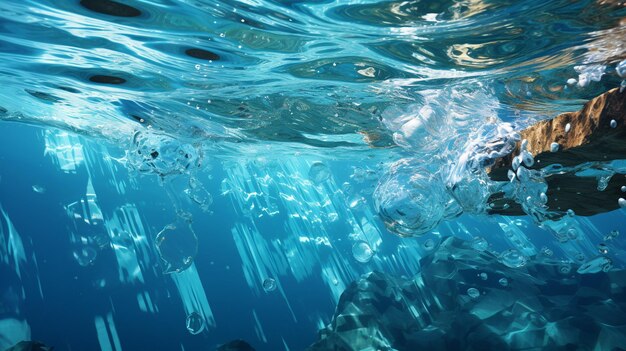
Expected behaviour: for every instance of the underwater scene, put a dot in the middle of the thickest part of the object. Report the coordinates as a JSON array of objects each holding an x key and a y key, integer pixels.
[{"x": 291, "y": 175}]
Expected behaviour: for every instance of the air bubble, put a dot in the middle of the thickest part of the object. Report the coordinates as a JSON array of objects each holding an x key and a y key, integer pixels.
[
  {"x": 513, "y": 259},
  {"x": 479, "y": 244},
  {"x": 546, "y": 252},
  {"x": 613, "y": 123},
  {"x": 269, "y": 284},
  {"x": 516, "y": 163},
  {"x": 473, "y": 293},
  {"x": 362, "y": 252},
  {"x": 603, "y": 248},
  {"x": 319, "y": 173},
  {"x": 527, "y": 158},
  {"x": 177, "y": 246},
  {"x": 195, "y": 323},
  {"x": 611, "y": 235},
  {"x": 554, "y": 147}
]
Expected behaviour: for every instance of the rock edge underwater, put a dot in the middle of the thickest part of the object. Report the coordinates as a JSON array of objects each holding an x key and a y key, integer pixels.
[{"x": 464, "y": 299}]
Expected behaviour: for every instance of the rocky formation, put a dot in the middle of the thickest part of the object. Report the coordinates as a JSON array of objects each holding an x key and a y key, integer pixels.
[
  {"x": 236, "y": 345},
  {"x": 596, "y": 134},
  {"x": 465, "y": 299},
  {"x": 30, "y": 346}
]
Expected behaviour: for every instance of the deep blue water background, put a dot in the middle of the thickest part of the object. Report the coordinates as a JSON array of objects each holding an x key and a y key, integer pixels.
[{"x": 64, "y": 316}]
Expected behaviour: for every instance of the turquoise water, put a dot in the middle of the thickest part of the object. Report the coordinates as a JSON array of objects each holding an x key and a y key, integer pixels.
[{"x": 176, "y": 174}]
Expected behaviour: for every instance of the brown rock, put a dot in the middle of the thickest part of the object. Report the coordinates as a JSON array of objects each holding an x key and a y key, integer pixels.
[{"x": 590, "y": 139}]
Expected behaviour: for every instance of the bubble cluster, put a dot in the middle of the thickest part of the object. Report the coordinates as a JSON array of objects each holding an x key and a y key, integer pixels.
[
  {"x": 162, "y": 154},
  {"x": 409, "y": 199}
]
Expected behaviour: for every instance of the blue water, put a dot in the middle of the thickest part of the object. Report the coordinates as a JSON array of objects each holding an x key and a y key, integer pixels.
[{"x": 269, "y": 136}]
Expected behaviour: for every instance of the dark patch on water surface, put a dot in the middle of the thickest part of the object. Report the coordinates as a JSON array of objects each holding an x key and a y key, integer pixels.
[
  {"x": 43, "y": 96},
  {"x": 103, "y": 79},
  {"x": 111, "y": 8},
  {"x": 202, "y": 54},
  {"x": 3, "y": 110}
]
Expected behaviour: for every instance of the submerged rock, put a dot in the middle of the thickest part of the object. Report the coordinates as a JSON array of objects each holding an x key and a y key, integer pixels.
[
  {"x": 30, "y": 346},
  {"x": 236, "y": 345},
  {"x": 595, "y": 134},
  {"x": 448, "y": 306}
]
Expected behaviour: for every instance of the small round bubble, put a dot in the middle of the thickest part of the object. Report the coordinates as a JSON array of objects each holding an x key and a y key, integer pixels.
[
  {"x": 473, "y": 293},
  {"x": 195, "y": 323},
  {"x": 362, "y": 252},
  {"x": 269, "y": 284},
  {"x": 513, "y": 259},
  {"x": 554, "y": 147},
  {"x": 319, "y": 172}
]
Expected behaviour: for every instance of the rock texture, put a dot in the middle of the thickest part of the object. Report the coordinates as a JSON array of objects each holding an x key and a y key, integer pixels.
[
  {"x": 236, "y": 345},
  {"x": 465, "y": 299},
  {"x": 30, "y": 346},
  {"x": 590, "y": 138}
]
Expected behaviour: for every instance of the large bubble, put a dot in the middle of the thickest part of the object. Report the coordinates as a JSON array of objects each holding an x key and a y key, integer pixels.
[
  {"x": 410, "y": 200},
  {"x": 195, "y": 323},
  {"x": 362, "y": 252},
  {"x": 319, "y": 172},
  {"x": 177, "y": 245}
]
